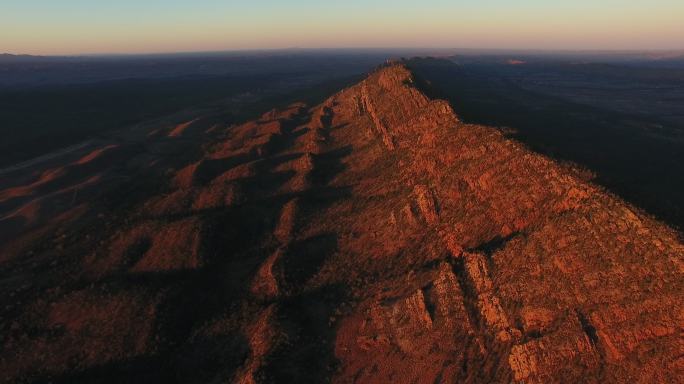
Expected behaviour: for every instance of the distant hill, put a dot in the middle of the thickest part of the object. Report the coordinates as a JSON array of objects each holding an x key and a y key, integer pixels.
[{"x": 8, "y": 57}]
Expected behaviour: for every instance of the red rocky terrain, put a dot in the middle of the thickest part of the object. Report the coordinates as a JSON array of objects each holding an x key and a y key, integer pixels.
[{"x": 374, "y": 238}]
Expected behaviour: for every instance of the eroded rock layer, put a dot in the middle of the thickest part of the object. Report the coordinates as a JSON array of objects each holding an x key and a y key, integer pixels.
[{"x": 374, "y": 238}]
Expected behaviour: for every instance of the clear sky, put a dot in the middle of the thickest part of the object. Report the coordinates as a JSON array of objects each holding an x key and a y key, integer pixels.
[{"x": 135, "y": 26}]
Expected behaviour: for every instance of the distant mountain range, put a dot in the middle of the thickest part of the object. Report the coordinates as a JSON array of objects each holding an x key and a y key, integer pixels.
[
  {"x": 615, "y": 54},
  {"x": 11, "y": 58}
]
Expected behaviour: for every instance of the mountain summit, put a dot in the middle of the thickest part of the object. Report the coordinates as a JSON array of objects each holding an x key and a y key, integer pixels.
[{"x": 373, "y": 238}]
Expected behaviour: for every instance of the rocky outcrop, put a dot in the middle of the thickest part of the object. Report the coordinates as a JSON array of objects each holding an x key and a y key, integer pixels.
[
  {"x": 565, "y": 355},
  {"x": 412, "y": 336},
  {"x": 427, "y": 203},
  {"x": 488, "y": 304},
  {"x": 379, "y": 124}
]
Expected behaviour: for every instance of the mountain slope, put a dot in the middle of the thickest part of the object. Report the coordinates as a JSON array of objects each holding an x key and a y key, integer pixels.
[{"x": 373, "y": 238}]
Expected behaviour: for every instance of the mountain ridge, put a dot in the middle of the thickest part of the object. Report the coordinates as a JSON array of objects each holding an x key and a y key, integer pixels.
[{"x": 372, "y": 238}]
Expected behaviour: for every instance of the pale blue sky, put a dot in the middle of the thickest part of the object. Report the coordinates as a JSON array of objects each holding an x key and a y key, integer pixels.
[{"x": 80, "y": 26}]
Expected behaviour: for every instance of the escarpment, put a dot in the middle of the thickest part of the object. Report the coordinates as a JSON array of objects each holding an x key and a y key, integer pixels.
[{"x": 373, "y": 238}]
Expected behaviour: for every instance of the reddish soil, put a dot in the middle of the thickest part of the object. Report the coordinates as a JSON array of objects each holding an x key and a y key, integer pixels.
[{"x": 373, "y": 238}]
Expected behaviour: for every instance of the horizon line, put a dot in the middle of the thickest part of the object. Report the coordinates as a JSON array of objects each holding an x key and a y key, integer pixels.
[{"x": 379, "y": 48}]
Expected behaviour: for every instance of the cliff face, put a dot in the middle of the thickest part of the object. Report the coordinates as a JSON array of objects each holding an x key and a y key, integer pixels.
[{"x": 373, "y": 238}]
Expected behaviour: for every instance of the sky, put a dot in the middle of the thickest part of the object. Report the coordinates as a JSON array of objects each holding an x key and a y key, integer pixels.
[{"x": 59, "y": 27}]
